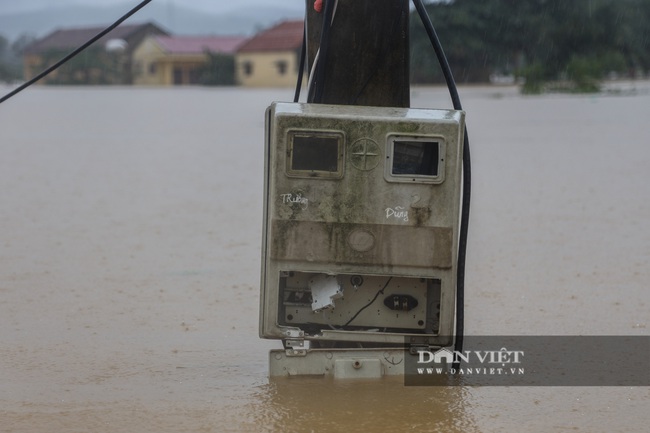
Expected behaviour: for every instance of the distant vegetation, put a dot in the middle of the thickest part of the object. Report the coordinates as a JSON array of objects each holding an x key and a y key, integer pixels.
[
  {"x": 564, "y": 44},
  {"x": 568, "y": 45},
  {"x": 219, "y": 70},
  {"x": 95, "y": 66},
  {"x": 10, "y": 58}
]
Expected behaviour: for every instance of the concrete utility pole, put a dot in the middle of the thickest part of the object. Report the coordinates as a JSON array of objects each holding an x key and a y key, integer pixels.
[{"x": 368, "y": 56}]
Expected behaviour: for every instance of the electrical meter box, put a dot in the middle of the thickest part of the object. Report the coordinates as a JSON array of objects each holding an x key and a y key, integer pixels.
[{"x": 361, "y": 216}]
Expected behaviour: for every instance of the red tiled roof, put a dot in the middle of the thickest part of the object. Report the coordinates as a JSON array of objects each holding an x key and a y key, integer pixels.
[
  {"x": 282, "y": 37},
  {"x": 66, "y": 39},
  {"x": 200, "y": 44}
]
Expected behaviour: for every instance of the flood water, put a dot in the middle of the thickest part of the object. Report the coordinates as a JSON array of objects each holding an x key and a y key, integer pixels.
[{"x": 130, "y": 229}]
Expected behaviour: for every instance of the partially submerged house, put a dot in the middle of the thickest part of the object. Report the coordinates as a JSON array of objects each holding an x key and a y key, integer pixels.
[
  {"x": 180, "y": 60},
  {"x": 145, "y": 54},
  {"x": 271, "y": 58},
  {"x": 108, "y": 61}
]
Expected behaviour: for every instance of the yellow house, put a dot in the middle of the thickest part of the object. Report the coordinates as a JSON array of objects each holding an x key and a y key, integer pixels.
[
  {"x": 108, "y": 61},
  {"x": 271, "y": 58},
  {"x": 178, "y": 60}
]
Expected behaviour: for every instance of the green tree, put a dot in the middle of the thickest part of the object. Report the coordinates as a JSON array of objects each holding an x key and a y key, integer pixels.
[
  {"x": 19, "y": 45},
  {"x": 94, "y": 66},
  {"x": 3, "y": 65},
  {"x": 540, "y": 39},
  {"x": 9, "y": 64},
  {"x": 219, "y": 70}
]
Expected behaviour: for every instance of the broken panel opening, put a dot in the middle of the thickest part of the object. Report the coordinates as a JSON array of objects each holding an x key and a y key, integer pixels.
[{"x": 315, "y": 301}]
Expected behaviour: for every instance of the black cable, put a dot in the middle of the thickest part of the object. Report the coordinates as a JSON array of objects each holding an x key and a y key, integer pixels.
[
  {"x": 316, "y": 93},
  {"x": 440, "y": 54},
  {"x": 301, "y": 67},
  {"x": 467, "y": 179},
  {"x": 75, "y": 52},
  {"x": 462, "y": 249},
  {"x": 369, "y": 303}
]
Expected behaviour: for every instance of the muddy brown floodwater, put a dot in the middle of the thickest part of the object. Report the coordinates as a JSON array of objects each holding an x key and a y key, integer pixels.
[{"x": 130, "y": 226}]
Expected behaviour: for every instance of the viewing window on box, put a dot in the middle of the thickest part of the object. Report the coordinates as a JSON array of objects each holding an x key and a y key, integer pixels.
[
  {"x": 415, "y": 159},
  {"x": 315, "y": 154}
]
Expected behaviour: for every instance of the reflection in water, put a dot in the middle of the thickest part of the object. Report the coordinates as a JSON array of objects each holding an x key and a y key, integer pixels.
[{"x": 324, "y": 404}]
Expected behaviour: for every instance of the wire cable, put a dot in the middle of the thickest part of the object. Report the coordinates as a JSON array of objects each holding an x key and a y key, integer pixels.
[
  {"x": 75, "y": 52},
  {"x": 440, "y": 54},
  {"x": 301, "y": 66},
  {"x": 381, "y": 291},
  {"x": 312, "y": 70},
  {"x": 467, "y": 179},
  {"x": 315, "y": 94}
]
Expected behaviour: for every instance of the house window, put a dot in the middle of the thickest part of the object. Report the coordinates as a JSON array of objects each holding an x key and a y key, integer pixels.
[
  {"x": 282, "y": 67},
  {"x": 248, "y": 68},
  {"x": 152, "y": 68}
]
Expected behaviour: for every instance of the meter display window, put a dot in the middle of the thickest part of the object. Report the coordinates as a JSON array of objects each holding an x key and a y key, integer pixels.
[
  {"x": 415, "y": 159},
  {"x": 315, "y": 154}
]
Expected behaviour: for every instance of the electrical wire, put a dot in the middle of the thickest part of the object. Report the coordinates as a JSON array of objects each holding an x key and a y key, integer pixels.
[
  {"x": 75, "y": 52},
  {"x": 467, "y": 179},
  {"x": 303, "y": 54},
  {"x": 301, "y": 66},
  {"x": 312, "y": 70},
  {"x": 317, "y": 73},
  {"x": 381, "y": 291}
]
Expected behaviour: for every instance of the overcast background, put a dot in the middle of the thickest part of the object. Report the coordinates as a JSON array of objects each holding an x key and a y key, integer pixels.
[{"x": 214, "y": 6}]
